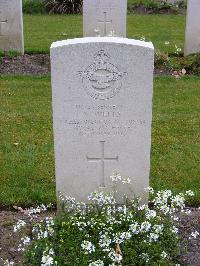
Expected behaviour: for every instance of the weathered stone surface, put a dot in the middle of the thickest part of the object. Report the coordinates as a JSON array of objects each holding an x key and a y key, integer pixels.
[
  {"x": 11, "y": 26},
  {"x": 102, "y": 112},
  {"x": 104, "y": 17},
  {"x": 192, "y": 36}
]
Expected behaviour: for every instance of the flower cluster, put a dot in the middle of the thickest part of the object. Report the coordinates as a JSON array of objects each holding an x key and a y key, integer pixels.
[
  {"x": 104, "y": 232},
  {"x": 47, "y": 257},
  {"x": 20, "y": 224}
]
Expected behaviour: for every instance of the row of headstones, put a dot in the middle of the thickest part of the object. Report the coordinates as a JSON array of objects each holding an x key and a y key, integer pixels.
[{"x": 101, "y": 18}]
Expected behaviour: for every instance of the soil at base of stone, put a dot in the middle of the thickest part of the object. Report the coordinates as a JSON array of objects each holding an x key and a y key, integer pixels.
[
  {"x": 38, "y": 64},
  {"x": 166, "y": 10},
  {"x": 33, "y": 64}
]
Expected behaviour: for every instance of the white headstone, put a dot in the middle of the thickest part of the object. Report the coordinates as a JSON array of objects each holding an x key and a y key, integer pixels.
[
  {"x": 102, "y": 112},
  {"x": 11, "y": 26},
  {"x": 104, "y": 17},
  {"x": 192, "y": 36}
]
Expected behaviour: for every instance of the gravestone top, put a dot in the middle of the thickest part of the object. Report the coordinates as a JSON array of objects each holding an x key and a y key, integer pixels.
[
  {"x": 113, "y": 40},
  {"x": 102, "y": 112},
  {"x": 104, "y": 18},
  {"x": 11, "y": 26}
]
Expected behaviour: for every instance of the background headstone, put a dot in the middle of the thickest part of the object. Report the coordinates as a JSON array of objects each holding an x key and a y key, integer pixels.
[
  {"x": 104, "y": 17},
  {"x": 11, "y": 26},
  {"x": 102, "y": 112},
  {"x": 192, "y": 36}
]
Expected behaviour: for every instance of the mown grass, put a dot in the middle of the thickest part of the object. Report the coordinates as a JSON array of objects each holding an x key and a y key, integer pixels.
[
  {"x": 175, "y": 160},
  {"x": 26, "y": 146},
  {"x": 42, "y": 30}
]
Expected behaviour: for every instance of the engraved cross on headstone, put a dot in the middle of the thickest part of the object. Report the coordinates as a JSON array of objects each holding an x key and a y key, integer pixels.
[
  {"x": 2, "y": 22},
  {"x": 105, "y": 22},
  {"x": 102, "y": 160}
]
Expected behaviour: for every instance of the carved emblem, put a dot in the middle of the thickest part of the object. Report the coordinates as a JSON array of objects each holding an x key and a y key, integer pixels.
[{"x": 102, "y": 79}]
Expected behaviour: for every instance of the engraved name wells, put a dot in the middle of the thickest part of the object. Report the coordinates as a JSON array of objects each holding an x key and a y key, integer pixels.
[{"x": 102, "y": 120}]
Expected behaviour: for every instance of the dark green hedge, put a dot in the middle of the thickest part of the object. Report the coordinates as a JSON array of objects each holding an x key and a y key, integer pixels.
[{"x": 34, "y": 7}]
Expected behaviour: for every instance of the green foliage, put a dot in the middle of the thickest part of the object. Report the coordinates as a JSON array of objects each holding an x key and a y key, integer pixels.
[
  {"x": 9, "y": 53},
  {"x": 34, "y": 7},
  {"x": 177, "y": 62},
  {"x": 75, "y": 6},
  {"x": 157, "y": 4},
  {"x": 64, "y": 6},
  {"x": 106, "y": 233},
  {"x": 191, "y": 64},
  {"x": 162, "y": 60},
  {"x": 156, "y": 7},
  {"x": 148, "y": 3}
]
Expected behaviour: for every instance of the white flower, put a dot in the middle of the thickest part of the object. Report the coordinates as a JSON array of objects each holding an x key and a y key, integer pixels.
[
  {"x": 143, "y": 207},
  {"x": 19, "y": 225},
  {"x": 164, "y": 209},
  {"x": 26, "y": 240},
  {"x": 175, "y": 218},
  {"x": 117, "y": 258},
  {"x": 88, "y": 247},
  {"x": 158, "y": 228},
  {"x": 32, "y": 212},
  {"x": 174, "y": 229},
  {"x": 104, "y": 242},
  {"x": 145, "y": 226},
  {"x": 142, "y": 38},
  {"x": 166, "y": 43},
  {"x": 178, "y": 201},
  {"x": 134, "y": 228},
  {"x": 101, "y": 199},
  {"x": 116, "y": 177},
  {"x": 121, "y": 237},
  {"x": 187, "y": 212},
  {"x": 47, "y": 260},
  {"x": 51, "y": 252},
  {"x": 153, "y": 237},
  {"x": 126, "y": 180},
  {"x": 178, "y": 49},
  {"x": 150, "y": 214},
  {"x": 163, "y": 255},
  {"x": 43, "y": 207},
  {"x": 145, "y": 257},
  {"x": 189, "y": 193},
  {"x": 195, "y": 234},
  {"x": 8, "y": 263},
  {"x": 150, "y": 190},
  {"x": 97, "y": 263}
]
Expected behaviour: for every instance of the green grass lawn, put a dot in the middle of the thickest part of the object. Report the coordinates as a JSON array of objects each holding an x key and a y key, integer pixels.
[
  {"x": 26, "y": 146},
  {"x": 41, "y": 30}
]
